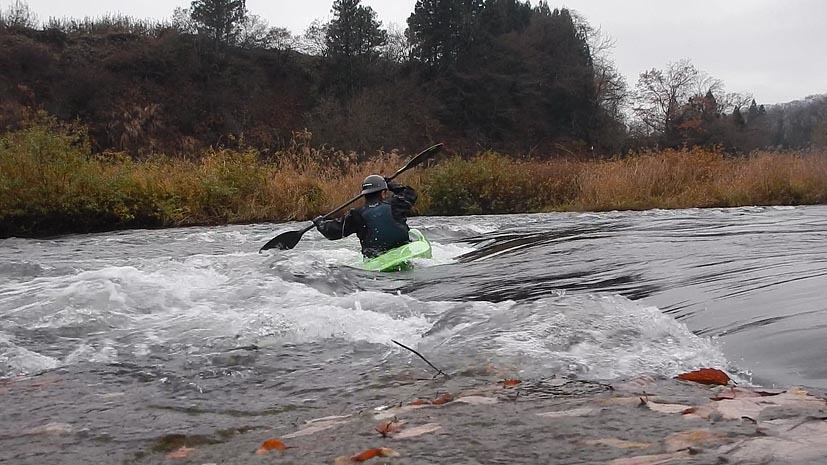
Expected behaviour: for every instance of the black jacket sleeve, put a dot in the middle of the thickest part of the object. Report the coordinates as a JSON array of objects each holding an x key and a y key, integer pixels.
[
  {"x": 402, "y": 201},
  {"x": 341, "y": 227}
]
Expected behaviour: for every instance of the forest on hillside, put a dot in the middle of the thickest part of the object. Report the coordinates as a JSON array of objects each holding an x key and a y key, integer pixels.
[{"x": 479, "y": 75}]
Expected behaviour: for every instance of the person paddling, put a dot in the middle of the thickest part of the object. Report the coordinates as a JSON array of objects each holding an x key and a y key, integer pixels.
[{"x": 381, "y": 223}]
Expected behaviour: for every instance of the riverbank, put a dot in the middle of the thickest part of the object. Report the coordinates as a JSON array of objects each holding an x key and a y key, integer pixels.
[
  {"x": 553, "y": 420},
  {"x": 51, "y": 183}
]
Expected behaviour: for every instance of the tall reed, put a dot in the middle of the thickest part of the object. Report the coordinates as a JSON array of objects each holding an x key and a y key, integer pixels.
[{"x": 52, "y": 183}]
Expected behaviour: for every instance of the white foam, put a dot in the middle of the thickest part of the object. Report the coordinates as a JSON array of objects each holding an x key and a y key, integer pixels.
[
  {"x": 18, "y": 361},
  {"x": 202, "y": 303},
  {"x": 443, "y": 254},
  {"x": 596, "y": 336}
]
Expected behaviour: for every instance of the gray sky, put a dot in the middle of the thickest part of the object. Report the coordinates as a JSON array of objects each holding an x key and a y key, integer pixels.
[{"x": 777, "y": 50}]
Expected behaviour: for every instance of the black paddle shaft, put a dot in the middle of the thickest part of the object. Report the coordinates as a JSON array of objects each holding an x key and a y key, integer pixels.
[{"x": 289, "y": 239}]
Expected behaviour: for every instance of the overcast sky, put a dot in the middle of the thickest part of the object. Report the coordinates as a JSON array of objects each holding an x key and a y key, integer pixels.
[{"x": 774, "y": 49}]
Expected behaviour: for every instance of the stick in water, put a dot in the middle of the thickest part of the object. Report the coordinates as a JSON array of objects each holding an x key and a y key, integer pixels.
[{"x": 439, "y": 372}]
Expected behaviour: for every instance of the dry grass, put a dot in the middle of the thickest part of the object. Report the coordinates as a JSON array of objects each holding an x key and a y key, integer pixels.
[
  {"x": 701, "y": 178},
  {"x": 50, "y": 183}
]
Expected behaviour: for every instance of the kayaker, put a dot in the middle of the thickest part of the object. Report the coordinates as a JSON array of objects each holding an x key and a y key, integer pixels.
[{"x": 381, "y": 223}]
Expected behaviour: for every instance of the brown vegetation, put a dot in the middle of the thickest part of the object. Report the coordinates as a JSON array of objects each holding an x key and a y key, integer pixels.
[{"x": 51, "y": 182}]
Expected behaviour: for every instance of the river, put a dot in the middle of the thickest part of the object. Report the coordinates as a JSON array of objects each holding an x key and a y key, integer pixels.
[{"x": 196, "y": 330}]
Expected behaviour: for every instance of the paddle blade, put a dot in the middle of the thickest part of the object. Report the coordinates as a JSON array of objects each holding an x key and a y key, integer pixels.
[
  {"x": 419, "y": 158},
  {"x": 284, "y": 241}
]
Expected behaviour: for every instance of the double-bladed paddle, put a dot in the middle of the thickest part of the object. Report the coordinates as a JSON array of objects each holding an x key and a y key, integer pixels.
[{"x": 289, "y": 239}]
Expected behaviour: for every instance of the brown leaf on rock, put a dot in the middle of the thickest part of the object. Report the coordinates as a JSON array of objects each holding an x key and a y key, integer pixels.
[
  {"x": 388, "y": 428},
  {"x": 365, "y": 455},
  {"x": 710, "y": 376},
  {"x": 510, "y": 382},
  {"x": 443, "y": 399},
  {"x": 270, "y": 445},
  {"x": 418, "y": 402},
  {"x": 180, "y": 453}
]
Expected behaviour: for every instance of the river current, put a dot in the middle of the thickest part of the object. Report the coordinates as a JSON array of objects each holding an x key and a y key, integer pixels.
[{"x": 196, "y": 322}]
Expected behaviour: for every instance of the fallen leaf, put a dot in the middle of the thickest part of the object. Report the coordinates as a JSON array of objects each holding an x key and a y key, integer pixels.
[
  {"x": 418, "y": 431},
  {"x": 477, "y": 400},
  {"x": 578, "y": 412},
  {"x": 270, "y": 445},
  {"x": 510, "y": 382},
  {"x": 687, "y": 439},
  {"x": 618, "y": 443},
  {"x": 388, "y": 428},
  {"x": 443, "y": 399},
  {"x": 706, "y": 376},
  {"x": 371, "y": 453},
  {"x": 180, "y": 453},
  {"x": 419, "y": 402}
]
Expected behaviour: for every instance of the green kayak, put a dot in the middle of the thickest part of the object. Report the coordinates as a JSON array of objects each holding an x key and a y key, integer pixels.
[{"x": 398, "y": 259}]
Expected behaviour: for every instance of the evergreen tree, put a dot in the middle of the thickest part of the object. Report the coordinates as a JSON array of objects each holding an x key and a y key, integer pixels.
[
  {"x": 353, "y": 38},
  {"x": 440, "y": 31},
  {"x": 354, "y": 30},
  {"x": 219, "y": 20},
  {"x": 752, "y": 112},
  {"x": 504, "y": 16}
]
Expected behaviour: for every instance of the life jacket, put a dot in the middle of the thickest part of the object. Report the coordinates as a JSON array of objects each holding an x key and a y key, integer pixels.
[{"x": 382, "y": 231}]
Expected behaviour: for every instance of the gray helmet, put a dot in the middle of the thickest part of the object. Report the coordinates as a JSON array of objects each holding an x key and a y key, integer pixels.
[{"x": 374, "y": 183}]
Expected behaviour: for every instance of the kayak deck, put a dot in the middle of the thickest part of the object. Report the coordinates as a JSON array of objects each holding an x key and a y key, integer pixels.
[{"x": 398, "y": 259}]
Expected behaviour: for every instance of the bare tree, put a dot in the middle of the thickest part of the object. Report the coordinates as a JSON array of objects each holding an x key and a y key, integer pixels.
[
  {"x": 314, "y": 39},
  {"x": 660, "y": 94},
  {"x": 182, "y": 21},
  {"x": 19, "y": 15},
  {"x": 397, "y": 48},
  {"x": 280, "y": 38},
  {"x": 730, "y": 101},
  {"x": 252, "y": 32}
]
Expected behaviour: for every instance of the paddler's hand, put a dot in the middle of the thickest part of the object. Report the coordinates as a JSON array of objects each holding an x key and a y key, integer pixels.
[{"x": 392, "y": 186}]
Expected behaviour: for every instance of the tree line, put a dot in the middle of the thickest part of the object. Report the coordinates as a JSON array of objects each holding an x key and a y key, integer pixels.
[{"x": 478, "y": 74}]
